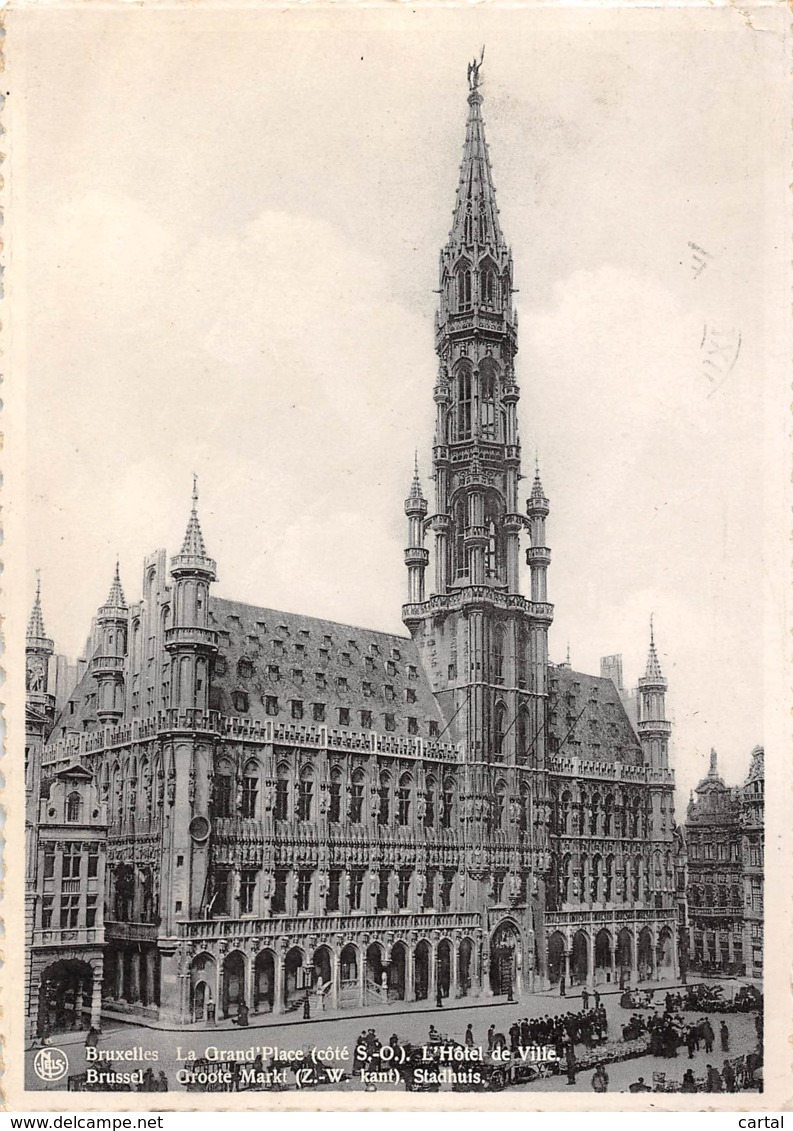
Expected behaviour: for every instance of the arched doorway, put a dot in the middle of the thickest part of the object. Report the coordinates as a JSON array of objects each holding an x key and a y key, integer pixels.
[
  {"x": 65, "y": 993},
  {"x": 294, "y": 990},
  {"x": 603, "y": 956},
  {"x": 464, "y": 961},
  {"x": 624, "y": 955},
  {"x": 666, "y": 956},
  {"x": 264, "y": 982},
  {"x": 396, "y": 973},
  {"x": 376, "y": 988},
  {"x": 421, "y": 972},
  {"x": 444, "y": 973},
  {"x": 202, "y": 986},
  {"x": 556, "y": 949},
  {"x": 348, "y": 968},
  {"x": 504, "y": 946},
  {"x": 645, "y": 953},
  {"x": 579, "y": 958},
  {"x": 233, "y": 988}
]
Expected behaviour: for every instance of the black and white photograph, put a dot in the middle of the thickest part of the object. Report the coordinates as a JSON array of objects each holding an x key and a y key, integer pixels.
[{"x": 397, "y": 466}]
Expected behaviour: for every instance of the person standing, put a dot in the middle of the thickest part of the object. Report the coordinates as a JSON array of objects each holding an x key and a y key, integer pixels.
[
  {"x": 708, "y": 1034},
  {"x": 469, "y": 1036},
  {"x": 713, "y": 1079},
  {"x": 562, "y": 987},
  {"x": 600, "y": 1080},
  {"x": 728, "y": 1075},
  {"x": 570, "y": 1060},
  {"x": 724, "y": 1034},
  {"x": 585, "y": 999},
  {"x": 491, "y": 1038}
]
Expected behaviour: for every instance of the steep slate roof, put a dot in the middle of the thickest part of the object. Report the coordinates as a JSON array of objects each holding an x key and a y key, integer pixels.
[
  {"x": 603, "y": 732},
  {"x": 291, "y": 643}
]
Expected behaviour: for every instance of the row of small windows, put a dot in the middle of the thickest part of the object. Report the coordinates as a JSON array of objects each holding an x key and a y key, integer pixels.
[
  {"x": 297, "y": 897},
  {"x": 398, "y": 802},
  {"x": 245, "y": 670},
  {"x": 245, "y": 667}
]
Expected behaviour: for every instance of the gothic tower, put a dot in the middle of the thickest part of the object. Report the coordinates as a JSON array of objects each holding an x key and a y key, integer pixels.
[
  {"x": 654, "y": 728},
  {"x": 188, "y": 742},
  {"x": 112, "y": 622},
  {"x": 483, "y": 644}
]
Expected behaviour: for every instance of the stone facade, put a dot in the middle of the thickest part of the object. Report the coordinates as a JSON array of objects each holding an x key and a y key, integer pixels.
[{"x": 308, "y": 814}]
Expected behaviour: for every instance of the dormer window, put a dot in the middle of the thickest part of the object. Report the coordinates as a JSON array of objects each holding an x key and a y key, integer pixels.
[
  {"x": 245, "y": 669},
  {"x": 74, "y": 807},
  {"x": 240, "y": 701},
  {"x": 390, "y": 667}
]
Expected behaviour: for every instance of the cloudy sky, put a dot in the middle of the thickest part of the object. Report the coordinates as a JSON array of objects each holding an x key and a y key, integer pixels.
[{"x": 229, "y": 223}]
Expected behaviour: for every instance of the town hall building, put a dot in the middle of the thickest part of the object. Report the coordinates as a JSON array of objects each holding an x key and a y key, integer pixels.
[{"x": 276, "y": 810}]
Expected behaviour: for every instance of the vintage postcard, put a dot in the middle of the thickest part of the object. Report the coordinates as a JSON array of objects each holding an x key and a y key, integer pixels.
[{"x": 397, "y": 569}]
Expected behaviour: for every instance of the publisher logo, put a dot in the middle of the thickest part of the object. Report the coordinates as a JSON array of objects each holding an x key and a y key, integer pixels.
[{"x": 50, "y": 1064}]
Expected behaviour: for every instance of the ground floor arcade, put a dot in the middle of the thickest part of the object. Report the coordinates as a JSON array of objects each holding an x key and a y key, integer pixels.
[
  {"x": 593, "y": 954},
  {"x": 65, "y": 992}
]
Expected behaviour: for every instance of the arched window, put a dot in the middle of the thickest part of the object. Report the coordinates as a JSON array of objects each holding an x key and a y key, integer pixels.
[
  {"x": 403, "y": 799},
  {"x": 499, "y": 805},
  {"x": 384, "y": 814},
  {"x": 429, "y": 803},
  {"x": 464, "y": 403},
  {"x": 447, "y": 803},
  {"x": 305, "y": 794},
  {"x": 493, "y": 549},
  {"x": 468, "y": 232},
  {"x": 356, "y": 797},
  {"x": 524, "y": 807},
  {"x": 608, "y": 815},
  {"x": 74, "y": 807},
  {"x": 464, "y": 288},
  {"x": 581, "y": 815},
  {"x": 460, "y": 521},
  {"x": 334, "y": 808},
  {"x": 498, "y": 654},
  {"x": 487, "y": 408},
  {"x": 250, "y": 789},
  {"x": 564, "y": 812},
  {"x": 487, "y": 285},
  {"x": 594, "y": 816},
  {"x": 499, "y": 728},
  {"x": 222, "y": 792},
  {"x": 523, "y": 736},
  {"x": 609, "y": 878},
  {"x": 281, "y": 811}
]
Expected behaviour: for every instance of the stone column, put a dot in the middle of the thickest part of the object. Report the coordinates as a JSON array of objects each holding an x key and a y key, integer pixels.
[
  {"x": 96, "y": 995},
  {"x": 361, "y": 976},
  {"x": 335, "y": 979},
  {"x": 278, "y": 987},
  {"x": 567, "y": 968},
  {"x": 614, "y": 977},
  {"x": 150, "y": 976},
  {"x": 675, "y": 954},
  {"x": 119, "y": 972},
  {"x": 654, "y": 953},
  {"x": 590, "y": 959},
  {"x": 410, "y": 973},
  {"x": 248, "y": 986},
  {"x": 134, "y": 994},
  {"x": 432, "y": 987},
  {"x": 635, "y": 956},
  {"x": 454, "y": 976}
]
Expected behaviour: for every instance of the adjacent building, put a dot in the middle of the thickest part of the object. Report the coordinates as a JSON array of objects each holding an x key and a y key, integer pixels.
[{"x": 724, "y": 842}]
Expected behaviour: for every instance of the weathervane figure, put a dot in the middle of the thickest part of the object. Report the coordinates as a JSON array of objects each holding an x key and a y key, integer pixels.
[{"x": 473, "y": 71}]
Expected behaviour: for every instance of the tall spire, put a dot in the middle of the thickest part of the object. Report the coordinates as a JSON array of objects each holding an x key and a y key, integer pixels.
[
  {"x": 653, "y": 670},
  {"x": 36, "y": 629},
  {"x": 115, "y": 598},
  {"x": 415, "y": 487},
  {"x": 475, "y": 222},
  {"x": 193, "y": 543}
]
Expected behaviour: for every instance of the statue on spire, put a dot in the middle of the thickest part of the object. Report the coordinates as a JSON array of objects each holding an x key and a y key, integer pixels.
[{"x": 473, "y": 71}]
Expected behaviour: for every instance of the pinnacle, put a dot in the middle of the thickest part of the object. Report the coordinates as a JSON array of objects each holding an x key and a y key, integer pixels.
[
  {"x": 193, "y": 543},
  {"x": 36, "y": 629},
  {"x": 116, "y": 598},
  {"x": 713, "y": 771},
  {"x": 415, "y": 487},
  {"x": 653, "y": 663}
]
